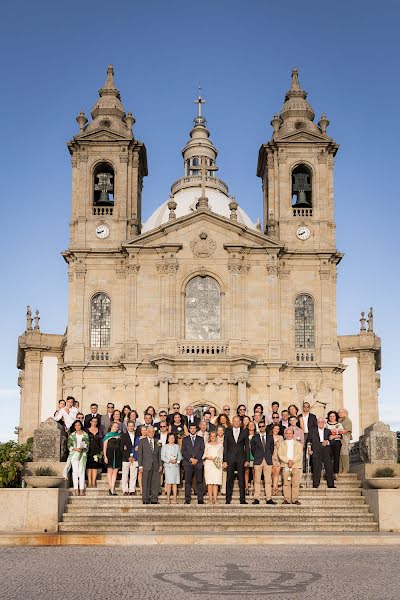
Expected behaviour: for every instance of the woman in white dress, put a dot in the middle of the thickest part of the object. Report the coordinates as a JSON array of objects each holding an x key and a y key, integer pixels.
[
  {"x": 212, "y": 458},
  {"x": 220, "y": 440}
]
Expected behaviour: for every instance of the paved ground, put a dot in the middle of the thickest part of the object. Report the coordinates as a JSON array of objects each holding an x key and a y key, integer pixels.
[{"x": 171, "y": 573}]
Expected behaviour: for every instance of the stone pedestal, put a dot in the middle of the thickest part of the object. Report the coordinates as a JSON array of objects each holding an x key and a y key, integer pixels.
[
  {"x": 378, "y": 444},
  {"x": 384, "y": 505},
  {"x": 49, "y": 442}
]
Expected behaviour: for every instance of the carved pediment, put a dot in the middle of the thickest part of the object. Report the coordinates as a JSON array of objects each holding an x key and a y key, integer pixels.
[
  {"x": 304, "y": 136},
  {"x": 102, "y": 135},
  {"x": 235, "y": 234}
]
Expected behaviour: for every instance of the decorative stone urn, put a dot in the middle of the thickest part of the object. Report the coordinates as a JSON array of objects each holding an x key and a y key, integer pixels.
[
  {"x": 43, "y": 481},
  {"x": 384, "y": 483}
]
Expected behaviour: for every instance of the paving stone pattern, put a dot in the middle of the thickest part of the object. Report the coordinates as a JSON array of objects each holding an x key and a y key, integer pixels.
[{"x": 171, "y": 573}]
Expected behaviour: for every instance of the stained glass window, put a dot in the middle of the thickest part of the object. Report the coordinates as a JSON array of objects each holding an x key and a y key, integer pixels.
[
  {"x": 203, "y": 309},
  {"x": 100, "y": 321},
  {"x": 304, "y": 321}
]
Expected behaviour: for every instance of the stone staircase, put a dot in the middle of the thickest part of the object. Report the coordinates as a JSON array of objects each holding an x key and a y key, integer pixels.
[{"x": 323, "y": 509}]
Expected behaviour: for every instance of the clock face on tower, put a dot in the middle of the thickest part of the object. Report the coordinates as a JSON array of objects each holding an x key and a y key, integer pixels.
[
  {"x": 102, "y": 232},
  {"x": 303, "y": 232}
]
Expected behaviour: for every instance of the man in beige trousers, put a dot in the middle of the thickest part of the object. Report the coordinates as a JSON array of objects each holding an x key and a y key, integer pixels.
[{"x": 290, "y": 455}]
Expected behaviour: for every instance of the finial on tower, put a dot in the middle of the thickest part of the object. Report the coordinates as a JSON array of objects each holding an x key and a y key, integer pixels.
[
  {"x": 363, "y": 320},
  {"x": 371, "y": 321},
  {"x": 233, "y": 206},
  {"x": 323, "y": 124},
  {"x": 81, "y": 120},
  {"x": 28, "y": 319},
  {"x": 37, "y": 319},
  {"x": 295, "y": 85},
  {"x": 110, "y": 83},
  {"x": 172, "y": 206}
]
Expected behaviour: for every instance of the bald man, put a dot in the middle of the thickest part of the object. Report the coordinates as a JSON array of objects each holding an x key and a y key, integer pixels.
[{"x": 321, "y": 454}]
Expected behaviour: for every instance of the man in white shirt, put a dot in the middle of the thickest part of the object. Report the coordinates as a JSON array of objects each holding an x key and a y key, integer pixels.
[
  {"x": 163, "y": 433},
  {"x": 290, "y": 455},
  {"x": 285, "y": 418},
  {"x": 190, "y": 418},
  {"x": 129, "y": 460},
  {"x": 67, "y": 414}
]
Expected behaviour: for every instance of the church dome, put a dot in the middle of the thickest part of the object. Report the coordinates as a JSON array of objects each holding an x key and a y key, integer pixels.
[
  {"x": 186, "y": 200},
  {"x": 199, "y": 157}
]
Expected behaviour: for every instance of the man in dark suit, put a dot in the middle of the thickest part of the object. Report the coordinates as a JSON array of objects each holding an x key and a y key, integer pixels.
[
  {"x": 149, "y": 459},
  {"x": 236, "y": 458},
  {"x": 148, "y": 420},
  {"x": 192, "y": 454},
  {"x": 308, "y": 421},
  {"x": 207, "y": 419},
  {"x": 262, "y": 448},
  {"x": 320, "y": 453},
  {"x": 93, "y": 413},
  {"x": 190, "y": 418},
  {"x": 276, "y": 420}
]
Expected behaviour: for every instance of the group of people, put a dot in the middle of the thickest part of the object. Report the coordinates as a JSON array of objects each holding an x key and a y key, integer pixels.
[{"x": 162, "y": 451}]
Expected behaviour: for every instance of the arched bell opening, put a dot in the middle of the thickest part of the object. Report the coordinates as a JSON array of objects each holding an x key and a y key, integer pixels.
[
  {"x": 302, "y": 187},
  {"x": 103, "y": 185}
]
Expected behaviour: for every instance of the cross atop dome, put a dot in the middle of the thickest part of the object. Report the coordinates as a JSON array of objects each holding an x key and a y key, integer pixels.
[{"x": 200, "y": 120}]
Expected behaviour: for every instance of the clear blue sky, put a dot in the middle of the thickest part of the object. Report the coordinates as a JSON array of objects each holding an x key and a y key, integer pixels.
[{"x": 53, "y": 60}]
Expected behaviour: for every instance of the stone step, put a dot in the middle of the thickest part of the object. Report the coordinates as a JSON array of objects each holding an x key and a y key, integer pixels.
[
  {"x": 103, "y": 485},
  {"x": 219, "y": 513},
  {"x": 103, "y": 476},
  {"x": 322, "y": 490},
  {"x": 101, "y": 503},
  {"x": 216, "y": 527}
]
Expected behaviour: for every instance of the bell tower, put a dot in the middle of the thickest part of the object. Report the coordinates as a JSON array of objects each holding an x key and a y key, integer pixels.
[
  {"x": 296, "y": 169},
  {"x": 108, "y": 166}
]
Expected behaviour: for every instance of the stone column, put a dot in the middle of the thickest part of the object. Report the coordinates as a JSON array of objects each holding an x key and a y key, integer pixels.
[
  {"x": 367, "y": 386},
  {"x": 234, "y": 270},
  {"x": 132, "y": 285},
  {"x": 274, "y": 306},
  {"x": 163, "y": 399},
  {"x": 167, "y": 271},
  {"x": 242, "y": 390}
]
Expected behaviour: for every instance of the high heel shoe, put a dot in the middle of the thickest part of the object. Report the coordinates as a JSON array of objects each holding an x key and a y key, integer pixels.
[{"x": 110, "y": 492}]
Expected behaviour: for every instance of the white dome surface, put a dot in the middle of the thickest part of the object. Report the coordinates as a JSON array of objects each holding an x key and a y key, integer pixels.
[{"x": 186, "y": 201}]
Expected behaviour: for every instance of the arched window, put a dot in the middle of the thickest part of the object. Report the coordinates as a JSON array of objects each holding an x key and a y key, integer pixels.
[
  {"x": 203, "y": 309},
  {"x": 103, "y": 185},
  {"x": 100, "y": 321},
  {"x": 302, "y": 187},
  {"x": 304, "y": 321}
]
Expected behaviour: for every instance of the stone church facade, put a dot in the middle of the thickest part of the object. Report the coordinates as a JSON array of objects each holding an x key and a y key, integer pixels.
[{"x": 199, "y": 305}]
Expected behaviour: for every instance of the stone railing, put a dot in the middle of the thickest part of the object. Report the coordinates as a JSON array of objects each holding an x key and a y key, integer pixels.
[
  {"x": 99, "y": 355},
  {"x": 103, "y": 211},
  {"x": 190, "y": 181},
  {"x": 305, "y": 356},
  {"x": 302, "y": 212},
  {"x": 203, "y": 349}
]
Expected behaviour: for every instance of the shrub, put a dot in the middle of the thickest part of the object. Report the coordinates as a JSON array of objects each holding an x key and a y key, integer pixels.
[
  {"x": 45, "y": 472},
  {"x": 386, "y": 472},
  {"x": 12, "y": 458}
]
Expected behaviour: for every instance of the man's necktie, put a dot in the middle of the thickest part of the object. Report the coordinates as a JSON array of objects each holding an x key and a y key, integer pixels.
[
  {"x": 263, "y": 442},
  {"x": 151, "y": 444},
  {"x": 193, "y": 441}
]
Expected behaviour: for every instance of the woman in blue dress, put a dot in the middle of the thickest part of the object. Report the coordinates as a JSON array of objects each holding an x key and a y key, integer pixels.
[{"x": 171, "y": 457}]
